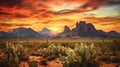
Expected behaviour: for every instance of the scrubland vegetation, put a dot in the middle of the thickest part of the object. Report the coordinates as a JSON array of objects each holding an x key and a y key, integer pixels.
[{"x": 70, "y": 54}]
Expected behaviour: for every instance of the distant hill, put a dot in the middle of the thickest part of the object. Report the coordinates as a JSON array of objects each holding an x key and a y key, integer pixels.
[
  {"x": 20, "y": 32},
  {"x": 25, "y": 33},
  {"x": 45, "y": 33},
  {"x": 81, "y": 30},
  {"x": 6, "y": 35},
  {"x": 113, "y": 34}
]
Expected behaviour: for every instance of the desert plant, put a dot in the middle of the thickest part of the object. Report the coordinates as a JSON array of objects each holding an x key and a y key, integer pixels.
[
  {"x": 115, "y": 59},
  {"x": 81, "y": 56},
  {"x": 14, "y": 52},
  {"x": 33, "y": 64},
  {"x": 52, "y": 51},
  {"x": 114, "y": 46}
]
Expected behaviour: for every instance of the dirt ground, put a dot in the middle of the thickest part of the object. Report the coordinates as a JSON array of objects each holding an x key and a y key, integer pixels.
[
  {"x": 109, "y": 64},
  {"x": 57, "y": 63},
  {"x": 52, "y": 63}
]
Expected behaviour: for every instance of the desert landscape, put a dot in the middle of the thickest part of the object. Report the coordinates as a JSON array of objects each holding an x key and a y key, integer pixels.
[
  {"x": 60, "y": 54},
  {"x": 59, "y": 33}
]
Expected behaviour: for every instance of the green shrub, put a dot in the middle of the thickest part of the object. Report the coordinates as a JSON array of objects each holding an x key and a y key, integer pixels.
[{"x": 81, "y": 56}]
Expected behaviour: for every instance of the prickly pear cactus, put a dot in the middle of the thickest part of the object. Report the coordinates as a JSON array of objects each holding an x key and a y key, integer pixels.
[
  {"x": 81, "y": 56},
  {"x": 52, "y": 50},
  {"x": 14, "y": 52}
]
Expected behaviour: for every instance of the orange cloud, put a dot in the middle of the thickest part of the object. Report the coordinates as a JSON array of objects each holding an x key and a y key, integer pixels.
[
  {"x": 54, "y": 14},
  {"x": 48, "y": 8}
]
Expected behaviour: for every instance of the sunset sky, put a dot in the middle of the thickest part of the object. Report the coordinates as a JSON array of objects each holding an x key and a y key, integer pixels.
[{"x": 55, "y": 14}]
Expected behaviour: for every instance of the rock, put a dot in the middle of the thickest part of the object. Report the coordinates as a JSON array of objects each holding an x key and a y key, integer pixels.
[
  {"x": 81, "y": 27},
  {"x": 66, "y": 29},
  {"x": 85, "y": 29}
]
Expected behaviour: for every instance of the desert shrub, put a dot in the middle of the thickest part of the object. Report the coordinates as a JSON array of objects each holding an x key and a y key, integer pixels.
[
  {"x": 14, "y": 53},
  {"x": 115, "y": 59},
  {"x": 4, "y": 63},
  {"x": 52, "y": 51},
  {"x": 114, "y": 46},
  {"x": 81, "y": 56},
  {"x": 33, "y": 64},
  {"x": 43, "y": 62}
]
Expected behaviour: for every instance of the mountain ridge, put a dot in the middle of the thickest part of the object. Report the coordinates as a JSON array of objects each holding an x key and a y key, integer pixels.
[{"x": 82, "y": 29}]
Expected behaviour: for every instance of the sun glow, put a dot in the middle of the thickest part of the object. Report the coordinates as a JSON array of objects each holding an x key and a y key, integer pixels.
[
  {"x": 54, "y": 33},
  {"x": 56, "y": 29},
  {"x": 66, "y": 6}
]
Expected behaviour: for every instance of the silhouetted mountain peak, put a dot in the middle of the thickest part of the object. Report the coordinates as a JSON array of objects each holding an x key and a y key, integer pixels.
[
  {"x": 45, "y": 32},
  {"x": 21, "y": 29},
  {"x": 82, "y": 27},
  {"x": 91, "y": 27},
  {"x": 113, "y": 33},
  {"x": 45, "y": 29},
  {"x": 25, "y": 32},
  {"x": 82, "y": 23},
  {"x": 66, "y": 29}
]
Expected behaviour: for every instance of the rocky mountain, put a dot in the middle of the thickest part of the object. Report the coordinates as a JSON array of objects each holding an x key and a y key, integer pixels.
[
  {"x": 66, "y": 29},
  {"x": 25, "y": 33},
  {"x": 84, "y": 29},
  {"x": 113, "y": 34},
  {"x": 6, "y": 35},
  {"x": 45, "y": 32}
]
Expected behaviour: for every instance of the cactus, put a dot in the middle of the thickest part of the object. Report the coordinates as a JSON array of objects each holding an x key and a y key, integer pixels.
[
  {"x": 14, "y": 52},
  {"x": 33, "y": 64},
  {"x": 52, "y": 51},
  {"x": 81, "y": 56}
]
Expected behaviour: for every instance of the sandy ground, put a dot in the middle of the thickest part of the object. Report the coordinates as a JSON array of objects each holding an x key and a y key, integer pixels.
[
  {"x": 103, "y": 64},
  {"x": 57, "y": 63},
  {"x": 53, "y": 63}
]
